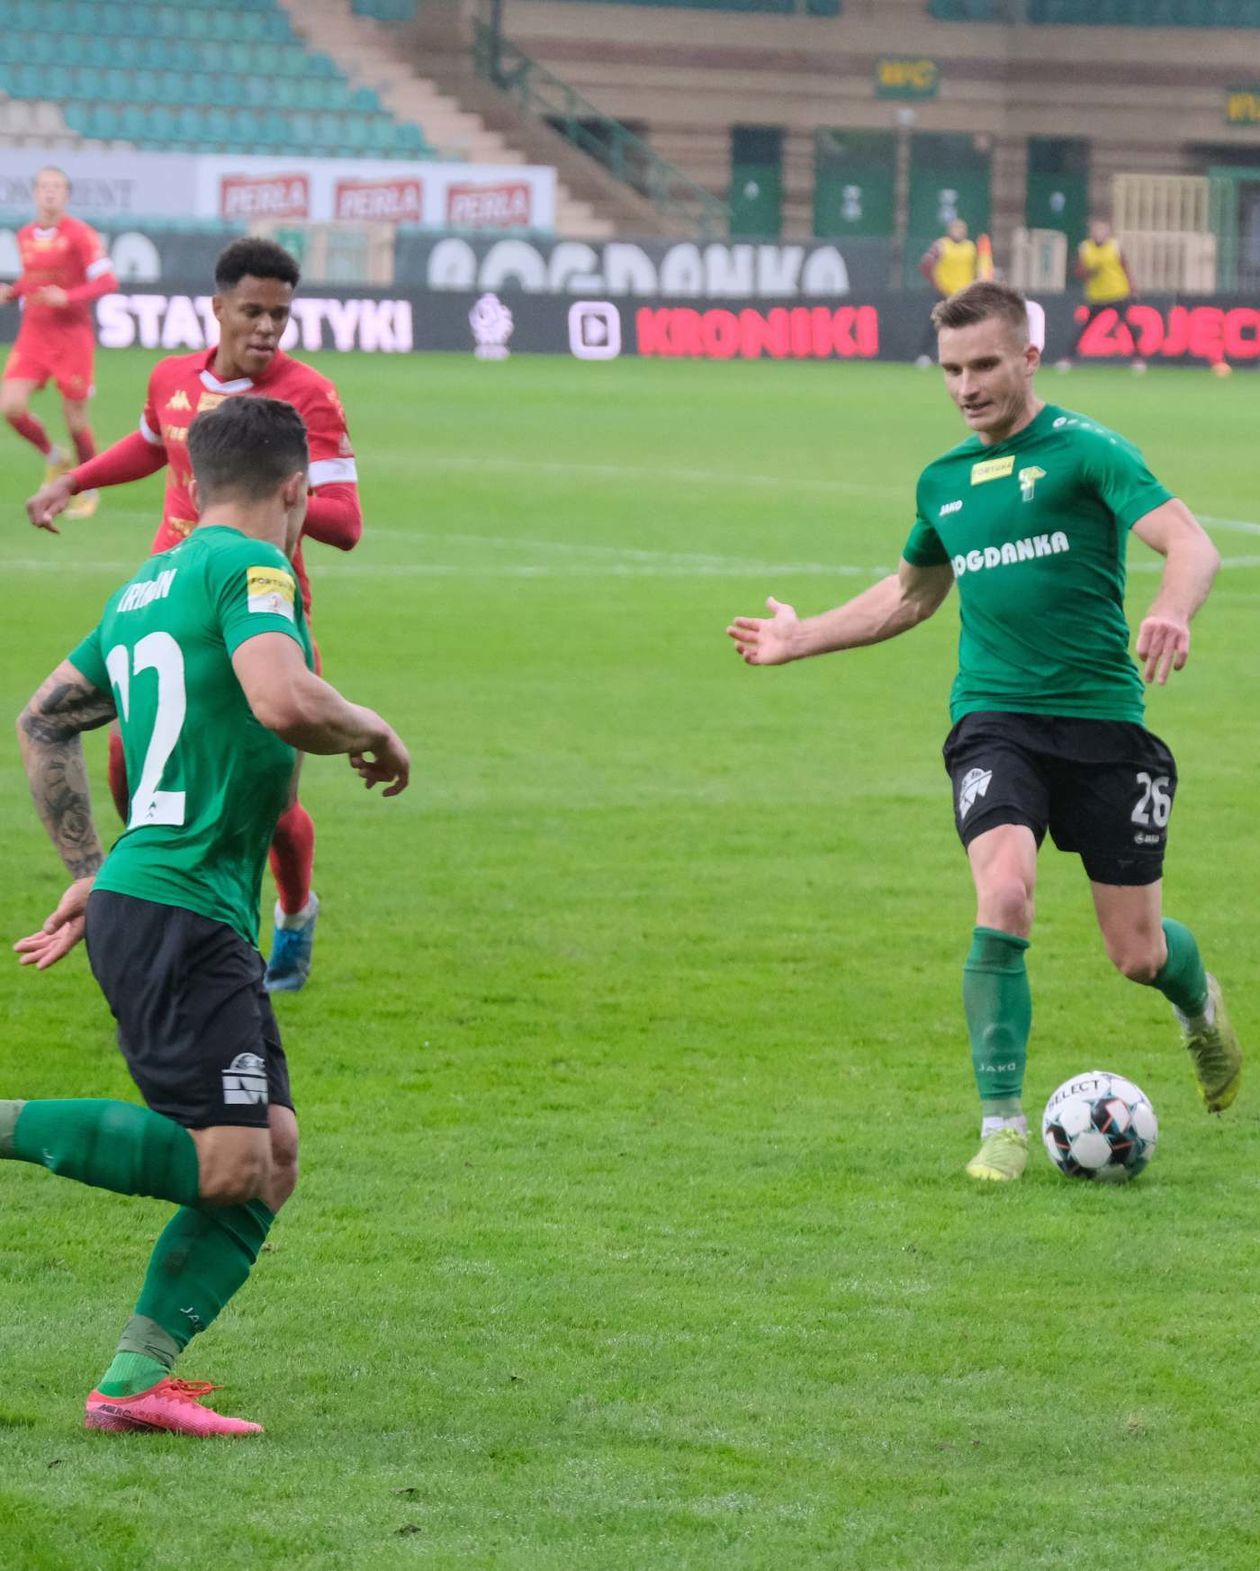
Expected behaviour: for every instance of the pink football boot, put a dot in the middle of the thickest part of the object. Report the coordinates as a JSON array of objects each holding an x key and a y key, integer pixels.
[{"x": 171, "y": 1405}]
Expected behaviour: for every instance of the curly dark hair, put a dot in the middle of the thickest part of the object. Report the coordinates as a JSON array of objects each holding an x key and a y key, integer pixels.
[{"x": 254, "y": 258}]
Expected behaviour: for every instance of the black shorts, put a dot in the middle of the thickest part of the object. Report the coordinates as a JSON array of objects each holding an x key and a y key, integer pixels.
[
  {"x": 1103, "y": 788},
  {"x": 194, "y": 1024}
]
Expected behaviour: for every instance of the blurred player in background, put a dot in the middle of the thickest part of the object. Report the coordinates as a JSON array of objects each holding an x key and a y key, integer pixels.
[
  {"x": 206, "y": 660},
  {"x": 949, "y": 264},
  {"x": 1031, "y": 516},
  {"x": 254, "y": 284},
  {"x": 1107, "y": 281},
  {"x": 64, "y": 268}
]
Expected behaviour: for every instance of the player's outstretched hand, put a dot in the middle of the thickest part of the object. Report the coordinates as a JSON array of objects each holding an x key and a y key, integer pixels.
[
  {"x": 766, "y": 640},
  {"x": 6, "y": 293},
  {"x": 1163, "y": 645},
  {"x": 48, "y": 501},
  {"x": 61, "y": 932},
  {"x": 388, "y": 762}
]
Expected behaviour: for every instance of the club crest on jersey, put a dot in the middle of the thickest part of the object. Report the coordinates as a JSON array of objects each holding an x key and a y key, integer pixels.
[
  {"x": 271, "y": 591},
  {"x": 974, "y": 783},
  {"x": 178, "y": 400},
  {"x": 1028, "y": 479},
  {"x": 992, "y": 469},
  {"x": 213, "y": 400}
]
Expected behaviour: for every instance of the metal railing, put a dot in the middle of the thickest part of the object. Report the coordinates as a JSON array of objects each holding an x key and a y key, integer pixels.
[{"x": 674, "y": 194}]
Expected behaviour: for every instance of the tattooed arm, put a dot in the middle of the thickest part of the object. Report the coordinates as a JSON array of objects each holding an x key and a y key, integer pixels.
[{"x": 49, "y": 731}]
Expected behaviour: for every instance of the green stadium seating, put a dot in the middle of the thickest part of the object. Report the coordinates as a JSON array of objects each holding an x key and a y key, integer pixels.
[{"x": 195, "y": 74}]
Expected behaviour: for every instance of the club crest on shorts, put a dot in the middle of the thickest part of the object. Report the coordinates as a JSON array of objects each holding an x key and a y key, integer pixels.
[
  {"x": 974, "y": 783},
  {"x": 245, "y": 1080}
]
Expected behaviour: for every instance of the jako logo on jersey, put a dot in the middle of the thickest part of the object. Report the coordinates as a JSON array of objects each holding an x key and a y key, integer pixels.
[
  {"x": 158, "y": 588},
  {"x": 1028, "y": 479},
  {"x": 993, "y": 469},
  {"x": 178, "y": 400},
  {"x": 948, "y": 508},
  {"x": 975, "y": 783},
  {"x": 1013, "y": 551},
  {"x": 245, "y": 1080}
]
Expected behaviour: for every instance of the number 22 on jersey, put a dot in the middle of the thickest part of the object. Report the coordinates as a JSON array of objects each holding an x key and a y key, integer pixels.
[{"x": 157, "y": 652}]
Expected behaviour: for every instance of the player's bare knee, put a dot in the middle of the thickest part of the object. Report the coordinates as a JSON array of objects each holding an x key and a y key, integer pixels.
[
  {"x": 1138, "y": 961},
  {"x": 233, "y": 1178},
  {"x": 1006, "y": 903},
  {"x": 12, "y": 400}
]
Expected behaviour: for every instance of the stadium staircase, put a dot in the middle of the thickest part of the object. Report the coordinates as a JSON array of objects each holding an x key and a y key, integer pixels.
[{"x": 463, "y": 114}]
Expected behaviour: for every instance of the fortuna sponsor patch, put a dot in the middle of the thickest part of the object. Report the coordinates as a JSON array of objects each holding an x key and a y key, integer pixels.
[
  {"x": 992, "y": 469},
  {"x": 270, "y": 590}
]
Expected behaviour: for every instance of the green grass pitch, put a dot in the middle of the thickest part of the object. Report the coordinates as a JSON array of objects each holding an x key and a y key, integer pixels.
[{"x": 633, "y": 1233}]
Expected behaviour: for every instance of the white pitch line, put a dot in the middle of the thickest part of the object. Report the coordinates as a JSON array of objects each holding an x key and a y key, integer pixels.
[
  {"x": 1242, "y": 525},
  {"x": 641, "y": 472}
]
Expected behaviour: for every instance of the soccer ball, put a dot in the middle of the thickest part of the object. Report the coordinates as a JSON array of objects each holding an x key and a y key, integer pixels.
[{"x": 1099, "y": 1126}]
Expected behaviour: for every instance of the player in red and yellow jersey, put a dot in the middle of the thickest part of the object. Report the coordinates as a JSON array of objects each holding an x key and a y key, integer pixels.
[
  {"x": 64, "y": 268},
  {"x": 254, "y": 283}
]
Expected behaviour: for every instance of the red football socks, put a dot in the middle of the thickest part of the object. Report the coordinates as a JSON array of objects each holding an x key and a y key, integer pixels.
[
  {"x": 84, "y": 446},
  {"x": 30, "y": 428},
  {"x": 292, "y": 858}
]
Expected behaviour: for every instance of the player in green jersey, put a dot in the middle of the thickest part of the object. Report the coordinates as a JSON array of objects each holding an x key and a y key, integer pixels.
[
  {"x": 1030, "y": 516},
  {"x": 205, "y": 660}
]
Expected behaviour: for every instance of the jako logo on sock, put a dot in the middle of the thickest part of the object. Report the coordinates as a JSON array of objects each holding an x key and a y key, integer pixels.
[{"x": 245, "y": 1080}]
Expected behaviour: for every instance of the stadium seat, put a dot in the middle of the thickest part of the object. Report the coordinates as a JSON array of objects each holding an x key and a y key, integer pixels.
[
  {"x": 366, "y": 100},
  {"x": 276, "y": 131},
  {"x": 188, "y": 123},
  {"x": 245, "y": 126},
  {"x": 133, "y": 120},
  {"x": 160, "y": 124},
  {"x": 409, "y": 138},
  {"x": 43, "y": 48}
]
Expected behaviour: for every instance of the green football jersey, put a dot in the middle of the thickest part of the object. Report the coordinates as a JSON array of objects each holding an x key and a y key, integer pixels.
[
  {"x": 1036, "y": 529},
  {"x": 208, "y": 782}
]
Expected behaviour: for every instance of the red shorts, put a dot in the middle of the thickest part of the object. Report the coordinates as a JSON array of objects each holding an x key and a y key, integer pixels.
[{"x": 65, "y": 360}]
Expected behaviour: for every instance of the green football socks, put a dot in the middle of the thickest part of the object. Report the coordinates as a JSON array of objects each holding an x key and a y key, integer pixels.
[
  {"x": 198, "y": 1263},
  {"x": 998, "y": 1005},
  {"x": 202, "y": 1256},
  {"x": 1182, "y": 979},
  {"x": 109, "y": 1145}
]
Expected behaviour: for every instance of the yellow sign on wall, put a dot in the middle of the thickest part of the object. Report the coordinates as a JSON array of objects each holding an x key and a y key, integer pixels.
[
  {"x": 1242, "y": 106},
  {"x": 899, "y": 76}
]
